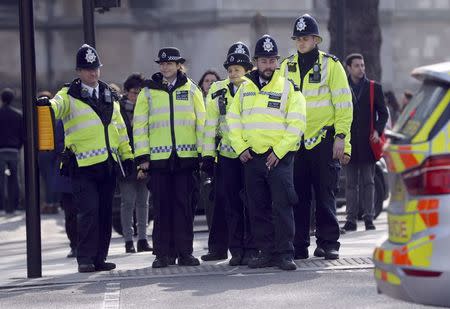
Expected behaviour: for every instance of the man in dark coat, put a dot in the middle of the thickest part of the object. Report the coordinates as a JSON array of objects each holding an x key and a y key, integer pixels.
[
  {"x": 360, "y": 172},
  {"x": 11, "y": 140}
]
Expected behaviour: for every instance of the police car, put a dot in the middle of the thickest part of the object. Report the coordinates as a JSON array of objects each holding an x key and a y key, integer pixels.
[{"x": 413, "y": 264}]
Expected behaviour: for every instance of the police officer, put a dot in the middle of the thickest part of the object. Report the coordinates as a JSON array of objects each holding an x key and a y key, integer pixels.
[
  {"x": 168, "y": 128},
  {"x": 96, "y": 142},
  {"x": 266, "y": 121},
  {"x": 228, "y": 229},
  {"x": 322, "y": 80}
]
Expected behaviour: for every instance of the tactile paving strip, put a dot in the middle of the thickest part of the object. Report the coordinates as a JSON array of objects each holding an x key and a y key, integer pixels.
[{"x": 205, "y": 269}]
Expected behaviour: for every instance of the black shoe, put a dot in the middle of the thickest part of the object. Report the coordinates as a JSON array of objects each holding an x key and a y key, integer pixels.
[
  {"x": 129, "y": 247},
  {"x": 86, "y": 268},
  {"x": 171, "y": 260},
  {"x": 349, "y": 227},
  {"x": 188, "y": 260},
  {"x": 331, "y": 254},
  {"x": 301, "y": 254},
  {"x": 105, "y": 266},
  {"x": 248, "y": 255},
  {"x": 214, "y": 256},
  {"x": 142, "y": 245},
  {"x": 261, "y": 261},
  {"x": 160, "y": 262},
  {"x": 369, "y": 225},
  {"x": 235, "y": 260},
  {"x": 72, "y": 253},
  {"x": 287, "y": 264},
  {"x": 319, "y": 252}
]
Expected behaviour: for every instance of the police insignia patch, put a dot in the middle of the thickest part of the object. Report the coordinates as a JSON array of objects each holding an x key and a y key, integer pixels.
[
  {"x": 182, "y": 95},
  {"x": 90, "y": 56},
  {"x": 301, "y": 25},
  {"x": 239, "y": 49},
  {"x": 268, "y": 45}
]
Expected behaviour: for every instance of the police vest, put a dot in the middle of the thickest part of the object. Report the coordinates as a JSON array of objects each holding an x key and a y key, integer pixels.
[
  {"x": 215, "y": 125},
  {"x": 166, "y": 122},
  {"x": 85, "y": 133},
  {"x": 269, "y": 118},
  {"x": 328, "y": 97}
]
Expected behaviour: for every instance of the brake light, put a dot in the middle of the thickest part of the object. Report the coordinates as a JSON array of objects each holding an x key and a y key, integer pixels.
[
  {"x": 430, "y": 178},
  {"x": 421, "y": 273}
]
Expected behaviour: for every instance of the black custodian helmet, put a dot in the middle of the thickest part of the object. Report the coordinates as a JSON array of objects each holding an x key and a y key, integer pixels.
[
  {"x": 168, "y": 54},
  {"x": 266, "y": 47},
  {"x": 239, "y": 48},
  {"x": 306, "y": 25},
  {"x": 87, "y": 58}
]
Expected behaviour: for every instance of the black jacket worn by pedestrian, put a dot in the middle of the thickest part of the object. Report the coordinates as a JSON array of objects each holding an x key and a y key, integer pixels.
[
  {"x": 11, "y": 128},
  {"x": 360, "y": 130}
]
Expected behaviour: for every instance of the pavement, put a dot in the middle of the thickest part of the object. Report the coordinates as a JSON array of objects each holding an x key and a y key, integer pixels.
[{"x": 355, "y": 254}]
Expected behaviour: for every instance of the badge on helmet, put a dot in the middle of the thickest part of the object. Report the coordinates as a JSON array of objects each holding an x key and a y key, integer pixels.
[
  {"x": 266, "y": 47},
  {"x": 238, "y": 59},
  {"x": 239, "y": 48},
  {"x": 306, "y": 25},
  {"x": 87, "y": 58},
  {"x": 169, "y": 54}
]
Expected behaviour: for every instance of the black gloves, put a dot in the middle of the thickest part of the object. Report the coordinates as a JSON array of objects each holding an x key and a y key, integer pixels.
[
  {"x": 208, "y": 166},
  {"x": 43, "y": 101}
]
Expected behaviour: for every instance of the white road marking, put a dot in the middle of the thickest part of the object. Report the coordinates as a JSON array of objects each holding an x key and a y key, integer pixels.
[{"x": 111, "y": 298}]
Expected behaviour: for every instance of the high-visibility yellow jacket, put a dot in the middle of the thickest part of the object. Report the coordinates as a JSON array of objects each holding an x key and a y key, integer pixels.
[
  {"x": 167, "y": 122},
  {"x": 269, "y": 118},
  {"x": 328, "y": 102},
  {"x": 215, "y": 125},
  {"x": 91, "y": 136}
]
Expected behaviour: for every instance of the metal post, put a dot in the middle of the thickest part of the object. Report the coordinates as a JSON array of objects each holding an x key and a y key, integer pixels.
[
  {"x": 28, "y": 64},
  {"x": 88, "y": 22},
  {"x": 340, "y": 30}
]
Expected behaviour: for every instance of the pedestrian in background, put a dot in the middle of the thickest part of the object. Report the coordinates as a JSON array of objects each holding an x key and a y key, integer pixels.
[
  {"x": 167, "y": 133},
  {"x": 205, "y": 82},
  {"x": 12, "y": 137},
  {"x": 133, "y": 192},
  {"x": 360, "y": 172}
]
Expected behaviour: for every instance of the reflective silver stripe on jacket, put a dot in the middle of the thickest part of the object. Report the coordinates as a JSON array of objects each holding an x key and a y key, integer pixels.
[
  {"x": 340, "y": 91},
  {"x": 91, "y": 153},
  {"x": 324, "y": 70},
  {"x": 264, "y": 126},
  {"x": 83, "y": 125},
  {"x": 343, "y": 105},
  {"x": 284, "y": 96},
  {"x": 315, "y": 104},
  {"x": 263, "y": 110},
  {"x": 141, "y": 145}
]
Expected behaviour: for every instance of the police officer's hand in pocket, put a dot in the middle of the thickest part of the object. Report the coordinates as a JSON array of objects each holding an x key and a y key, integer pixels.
[
  {"x": 245, "y": 156},
  {"x": 338, "y": 148},
  {"x": 272, "y": 160},
  {"x": 143, "y": 170}
]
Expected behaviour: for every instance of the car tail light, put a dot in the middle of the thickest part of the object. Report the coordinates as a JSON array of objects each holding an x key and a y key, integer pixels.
[
  {"x": 421, "y": 273},
  {"x": 430, "y": 178}
]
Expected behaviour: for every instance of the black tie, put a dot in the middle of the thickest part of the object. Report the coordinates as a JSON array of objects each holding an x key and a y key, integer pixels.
[
  {"x": 169, "y": 87},
  {"x": 94, "y": 96}
]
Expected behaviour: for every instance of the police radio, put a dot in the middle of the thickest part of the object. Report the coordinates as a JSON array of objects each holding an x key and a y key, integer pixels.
[{"x": 221, "y": 101}]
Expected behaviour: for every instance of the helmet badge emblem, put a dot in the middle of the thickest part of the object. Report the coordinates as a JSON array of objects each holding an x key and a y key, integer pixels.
[
  {"x": 163, "y": 55},
  {"x": 239, "y": 49},
  {"x": 268, "y": 45},
  {"x": 90, "y": 56},
  {"x": 301, "y": 25},
  {"x": 231, "y": 59}
]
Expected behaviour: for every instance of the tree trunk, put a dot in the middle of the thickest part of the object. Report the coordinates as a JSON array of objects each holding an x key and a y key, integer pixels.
[{"x": 362, "y": 33}]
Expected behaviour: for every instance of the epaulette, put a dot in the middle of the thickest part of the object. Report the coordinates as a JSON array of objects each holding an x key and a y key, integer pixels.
[
  {"x": 296, "y": 88},
  {"x": 288, "y": 58},
  {"x": 336, "y": 59}
]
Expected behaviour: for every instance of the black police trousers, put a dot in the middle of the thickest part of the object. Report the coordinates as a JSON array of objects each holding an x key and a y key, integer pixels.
[
  {"x": 173, "y": 226},
  {"x": 230, "y": 227},
  {"x": 93, "y": 192},
  {"x": 315, "y": 169},
  {"x": 271, "y": 196}
]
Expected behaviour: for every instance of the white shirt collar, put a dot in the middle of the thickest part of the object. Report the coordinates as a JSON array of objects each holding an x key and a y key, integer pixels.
[
  {"x": 235, "y": 88},
  {"x": 90, "y": 89},
  {"x": 261, "y": 80},
  {"x": 172, "y": 83}
]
